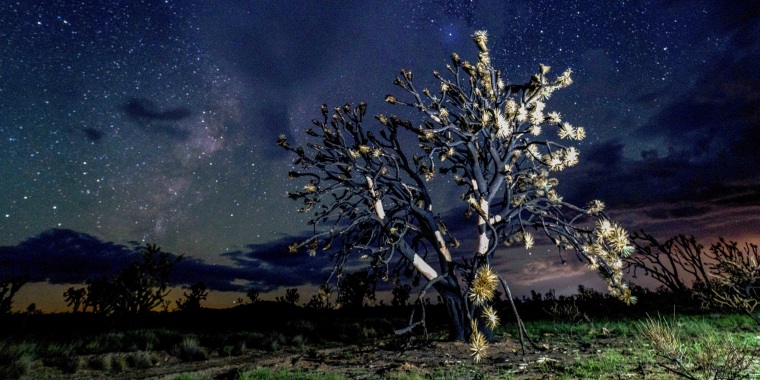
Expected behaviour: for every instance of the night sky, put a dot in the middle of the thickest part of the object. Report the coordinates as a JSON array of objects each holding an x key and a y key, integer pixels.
[{"x": 130, "y": 122}]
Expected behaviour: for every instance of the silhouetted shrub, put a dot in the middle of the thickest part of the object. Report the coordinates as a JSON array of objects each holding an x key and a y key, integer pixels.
[{"x": 190, "y": 349}]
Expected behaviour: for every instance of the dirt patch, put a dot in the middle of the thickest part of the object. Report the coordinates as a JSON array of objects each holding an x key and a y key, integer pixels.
[{"x": 385, "y": 358}]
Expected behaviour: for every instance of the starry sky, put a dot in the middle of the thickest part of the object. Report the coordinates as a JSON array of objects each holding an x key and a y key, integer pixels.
[{"x": 130, "y": 122}]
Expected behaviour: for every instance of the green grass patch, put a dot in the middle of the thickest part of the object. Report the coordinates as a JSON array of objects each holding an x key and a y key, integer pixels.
[{"x": 283, "y": 374}]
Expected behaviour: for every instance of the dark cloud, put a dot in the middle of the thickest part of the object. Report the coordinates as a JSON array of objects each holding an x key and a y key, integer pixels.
[
  {"x": 145, "y": 109},
  {"x": 93, "y": 134},
  {"x": 155, "y": 120},
  {"x": 736, "y": 15},
  {"x": 719, "y": 115},
  {"x": 608, "y": 154},
  {"x": 62, "y": 256}
]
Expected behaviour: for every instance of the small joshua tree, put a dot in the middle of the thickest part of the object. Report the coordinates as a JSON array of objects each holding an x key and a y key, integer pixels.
[
  {"x": 321, "y": 300},
  {"x": 192, "y": 300},
  {"x": 8, "y": 289},
  {"x": 401, "y": 294},
  {"x": 354, "y": 288},
  {"x": 253, "y": 295},
  {"x": 291, "y": 297},
  {"x": 369, "y": 189},
  {"x": 75, "y": 298}
]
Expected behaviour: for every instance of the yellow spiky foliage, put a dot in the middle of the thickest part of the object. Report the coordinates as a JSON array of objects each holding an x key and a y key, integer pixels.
[
  {"x": 483, "y": 287},
  {"x": 478, "y": 343}
]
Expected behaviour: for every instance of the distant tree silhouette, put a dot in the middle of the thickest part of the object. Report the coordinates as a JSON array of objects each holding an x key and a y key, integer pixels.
[
  {"x": 192, "y": 300},
  {"x": 401, "y": 294},
  {"x": 32, "y": 309},
  {"x": 291, "y": 297},
  {"x": 75, "y": 298},
  {"x": 321, "y": 300},
  {"x": 136, "y": 290},
  {"x": 723, "y": 276},
  {"x": 355, "y": 287},
  {"x": 8, "y": 290},
  {"x": 677, "y": 263},
  {"x": 370, "y": 189},
  {"x": 253, "y": 295},
  {"x": 736, "y": 283}
]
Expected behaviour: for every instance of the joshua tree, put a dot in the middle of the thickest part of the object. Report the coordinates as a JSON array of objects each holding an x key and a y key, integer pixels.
[
  {"x": 192, "y": 300},
  {"x": 723, "y": 276},
  {"x": 137, "y": 289},
  {"x": 355, "y": 287},
  {"x": 253, "y": 295},
  {"x": 75, "y": 298},
  {"x": 678, "y": 264},
  {"x": 321, "y": 300},
  {"x": 401, "y": 294},
  {"x": 291, "y": 297},
  {"x": 370, "y": 191},
  {"x": 8, "y": 289}
]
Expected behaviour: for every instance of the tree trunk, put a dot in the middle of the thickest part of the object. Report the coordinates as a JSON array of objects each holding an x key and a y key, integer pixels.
[{"x": 451, "y": 295}]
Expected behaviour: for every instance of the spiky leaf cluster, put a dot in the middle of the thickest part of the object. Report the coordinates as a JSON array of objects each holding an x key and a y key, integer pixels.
[{"x": 483, "y": 286}]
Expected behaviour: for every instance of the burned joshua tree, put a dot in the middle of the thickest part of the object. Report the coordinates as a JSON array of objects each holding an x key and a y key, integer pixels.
[{"x": 369, "y": 190}]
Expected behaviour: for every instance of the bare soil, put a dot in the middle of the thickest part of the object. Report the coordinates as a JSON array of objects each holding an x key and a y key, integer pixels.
[{"x": 383, "y": 358}]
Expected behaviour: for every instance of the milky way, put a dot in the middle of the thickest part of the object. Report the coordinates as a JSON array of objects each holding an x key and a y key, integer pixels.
[{"x": 156, "y": 121}]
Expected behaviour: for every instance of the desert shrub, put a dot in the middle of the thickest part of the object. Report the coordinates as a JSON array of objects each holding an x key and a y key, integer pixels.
[
  {"x": 226, "y": 351},
  {"x": 142, "y": 359},
  {"x": 275, "y": 341},
  {"x": 566, "y": 312},
  {"x": 299, "y": 341},
  {"x": 735, "y": 283},
  {"x": 710, "y": 356},
  {"x": 15, "y": 359},
  {"x": 251, "y": 339},
  {"x": 146, "y": 340},
  {"x": 100, "y": 363},
  {"x": 61, "y": 356},
  {"x": 724, "y": 277},
  {"x": 111, "y": 362},
  {"x": 238, "y": 348},
  {"x": 118, "y": 362},
  {"x": 190, "y": 349},
  {"x": 356, "y": 332},
  {"x": 301, "y": 326},
  {"x": 108, "y": 342}
]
